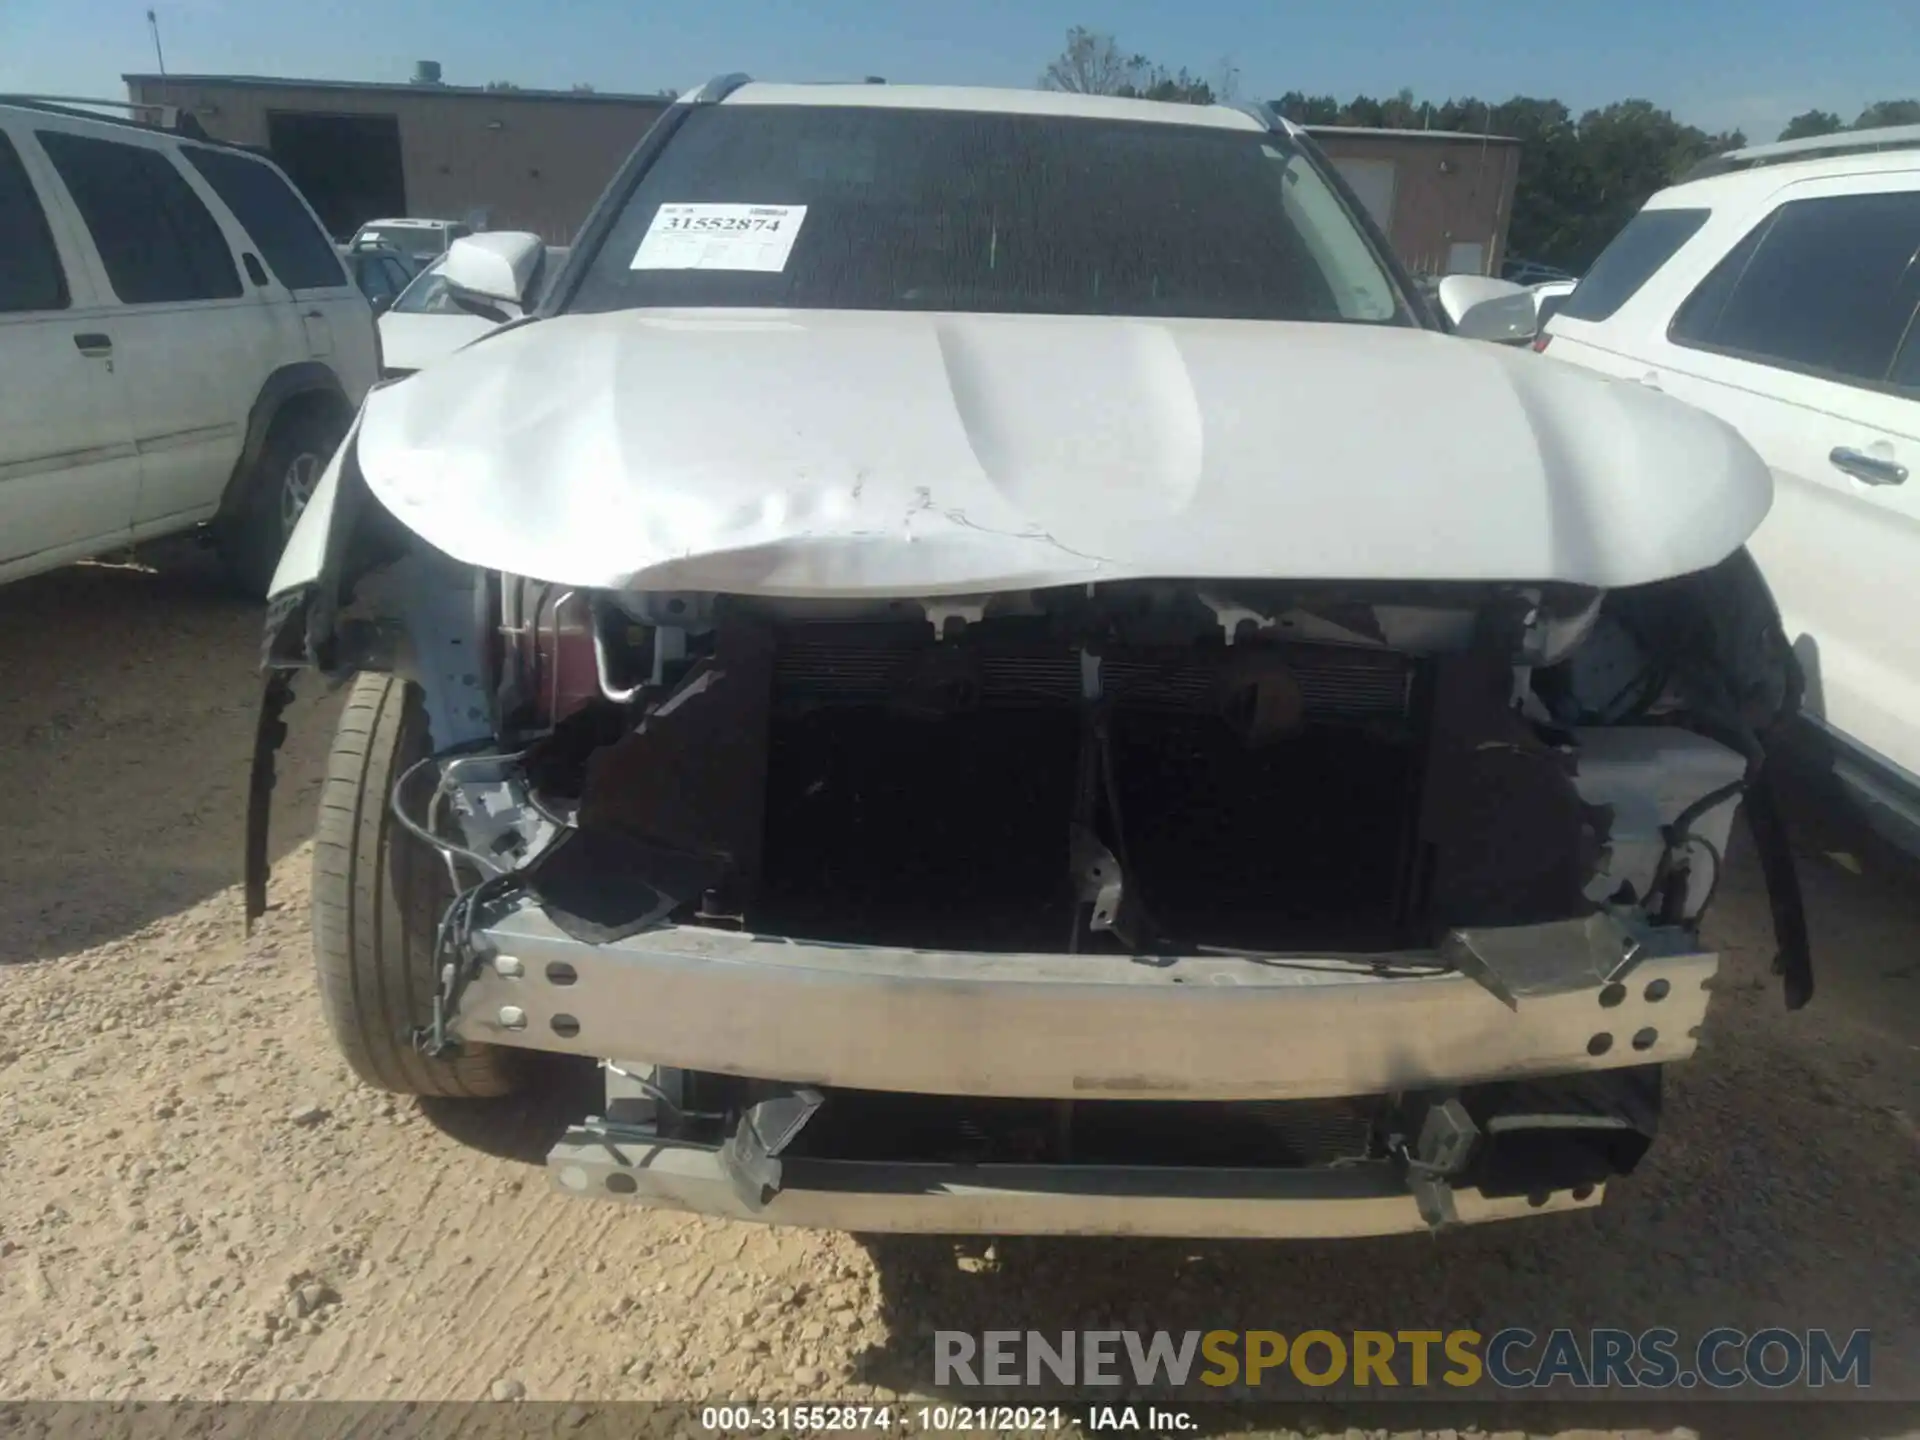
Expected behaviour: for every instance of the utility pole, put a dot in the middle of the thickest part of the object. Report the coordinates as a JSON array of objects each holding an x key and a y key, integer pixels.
[{"x": 153, "y": 24}]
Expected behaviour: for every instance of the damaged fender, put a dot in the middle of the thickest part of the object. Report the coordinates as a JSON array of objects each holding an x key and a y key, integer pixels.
[{"x": 354, "y": 592}]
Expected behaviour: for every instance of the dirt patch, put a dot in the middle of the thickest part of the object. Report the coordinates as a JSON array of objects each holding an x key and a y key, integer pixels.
[{"x": 197, "y": 1200}]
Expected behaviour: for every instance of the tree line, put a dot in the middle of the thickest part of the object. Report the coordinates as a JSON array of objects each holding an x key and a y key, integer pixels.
[{"x": 1581, "y": 177}]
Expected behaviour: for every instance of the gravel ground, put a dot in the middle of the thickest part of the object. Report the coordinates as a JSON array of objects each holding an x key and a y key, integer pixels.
[{"x": 197, "y": 1200}]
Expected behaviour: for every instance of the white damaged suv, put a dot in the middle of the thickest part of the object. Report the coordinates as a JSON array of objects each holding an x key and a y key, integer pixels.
[{"x": 983, "y": 653}]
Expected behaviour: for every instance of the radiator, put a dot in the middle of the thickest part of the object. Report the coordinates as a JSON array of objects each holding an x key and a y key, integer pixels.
[{"x": 868, "y": 665}]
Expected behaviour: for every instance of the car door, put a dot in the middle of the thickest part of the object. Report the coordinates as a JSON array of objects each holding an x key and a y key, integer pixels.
[
  {"x": 1802, "y": 338},
  {"x": 326, "y": 299},
  {"x": 69, "y": 472},
  {"x": 194, "y": 341}
]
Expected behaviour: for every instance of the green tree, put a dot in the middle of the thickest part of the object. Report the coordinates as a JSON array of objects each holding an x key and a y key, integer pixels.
[
  {"x": 1365, "y": 111},
  {"x": 1308, "y": 109},
  {"x": 1888, "y": 112},
  {"x": 1811, "y": 123},
  {"x": 1091, "y": 64},
  {"x": 1154, "y": 82},
  {"x": 1580, "y": 180},
  {"x": 1552, "y": 200},
  {"x": 1402, "y": 112}
]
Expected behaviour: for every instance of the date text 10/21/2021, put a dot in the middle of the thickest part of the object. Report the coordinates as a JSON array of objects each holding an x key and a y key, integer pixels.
[{"x": 943, "y": 1419}]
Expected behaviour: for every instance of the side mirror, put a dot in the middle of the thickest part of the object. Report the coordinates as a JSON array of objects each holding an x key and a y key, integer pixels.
[
  {"x": 1482, "y": 308},
  {"x": 1550, "y": 307},
  {"x": 494, "y": 267}
]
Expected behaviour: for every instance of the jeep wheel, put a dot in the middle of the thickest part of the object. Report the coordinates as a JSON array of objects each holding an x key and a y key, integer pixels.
[
  {"x": 378, "y": 895},
  {"x": 274, "y": 493}
]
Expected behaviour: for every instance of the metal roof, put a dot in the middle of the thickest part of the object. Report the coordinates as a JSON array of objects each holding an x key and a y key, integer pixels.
[{"x": 382, "y": 87}]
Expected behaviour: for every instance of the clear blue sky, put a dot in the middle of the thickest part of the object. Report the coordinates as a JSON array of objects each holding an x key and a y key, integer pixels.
[{"x": 1717, "y": 63}]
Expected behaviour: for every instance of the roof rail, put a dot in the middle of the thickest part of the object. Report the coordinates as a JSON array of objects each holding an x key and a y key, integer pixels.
[
  {"x": 718, "y": 88},
  {"x": 1820, "y": 147},
  {"x": 170, "y": 118},
  {"x": 1263, "y": 111}
]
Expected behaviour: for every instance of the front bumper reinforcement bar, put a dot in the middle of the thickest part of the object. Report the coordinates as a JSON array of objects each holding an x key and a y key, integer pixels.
[
  {"x": 863, "y": 1196},
  {"x": 1593, "y": 996}
]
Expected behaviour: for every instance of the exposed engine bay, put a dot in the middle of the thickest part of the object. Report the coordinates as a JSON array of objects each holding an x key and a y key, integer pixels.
[
  {"x": 1525, "y": 787},
  {"x": 1126, "y": 768}
]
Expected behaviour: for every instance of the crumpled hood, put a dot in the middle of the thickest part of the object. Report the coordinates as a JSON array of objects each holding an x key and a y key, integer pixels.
[{"x": 827, "y": 453}]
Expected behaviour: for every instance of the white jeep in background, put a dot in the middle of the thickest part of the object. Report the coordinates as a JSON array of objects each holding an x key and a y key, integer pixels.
[
  {"x": 983, "y": 653},
  {"x": 1779, "y": 289},
  {"x": 179, "y": 343}
]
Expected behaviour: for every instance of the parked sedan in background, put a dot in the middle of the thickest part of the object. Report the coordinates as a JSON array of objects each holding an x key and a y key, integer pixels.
[{"x": 432, "y": 317}]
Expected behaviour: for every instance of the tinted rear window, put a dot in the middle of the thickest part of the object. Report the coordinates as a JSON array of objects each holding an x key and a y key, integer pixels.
[
  {"x": 1827, "y": 285},
  {"x": 288, "y": 238},
  {"x": 1906, "y": 365},
  {"x": 30, "y": 273},
  {"x": 949, "y": 210},
  {"x": 1649, "y": 240}
]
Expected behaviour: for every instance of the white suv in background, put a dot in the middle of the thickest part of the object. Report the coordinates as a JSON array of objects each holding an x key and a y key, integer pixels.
[
  {"x": 419, "y": 240},
  {"x": 1779, "y": 288},
  {"x": 179, "y": 343}
]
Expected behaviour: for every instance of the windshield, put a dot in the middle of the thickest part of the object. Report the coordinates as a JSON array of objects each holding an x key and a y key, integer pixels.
[
  {"x": 866, "y": 208},
  {"x": 429, "y": 294},
  {"x": 416, "y": 241}
]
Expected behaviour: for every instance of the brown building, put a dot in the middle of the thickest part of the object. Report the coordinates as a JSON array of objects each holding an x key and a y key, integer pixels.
[
  {"x": 499, "y": 159},
  {"x": 1443, "y": 197}
]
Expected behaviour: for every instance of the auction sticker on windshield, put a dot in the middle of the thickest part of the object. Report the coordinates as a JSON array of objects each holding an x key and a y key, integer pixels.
[{"x": 720, "y": 237}]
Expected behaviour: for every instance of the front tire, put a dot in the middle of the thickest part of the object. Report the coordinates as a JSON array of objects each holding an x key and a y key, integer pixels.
[
  {"x": 378, "y": 895},
  {"x": 273, "y": 494}
]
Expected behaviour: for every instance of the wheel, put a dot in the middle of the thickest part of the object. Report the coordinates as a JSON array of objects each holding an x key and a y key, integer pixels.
[
  {"x": 273, "y": 494},
  {"x": 378, "y": 895}
]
